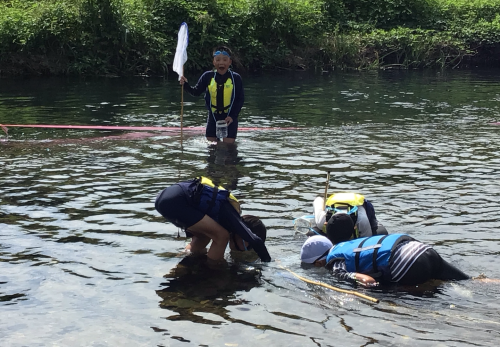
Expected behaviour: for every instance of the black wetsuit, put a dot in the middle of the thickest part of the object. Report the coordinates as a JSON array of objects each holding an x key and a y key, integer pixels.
[{"x": 237, "y": 102}]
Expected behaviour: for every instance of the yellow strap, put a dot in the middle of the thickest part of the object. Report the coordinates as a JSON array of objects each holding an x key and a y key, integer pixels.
[{"x": 232, "y": 199}]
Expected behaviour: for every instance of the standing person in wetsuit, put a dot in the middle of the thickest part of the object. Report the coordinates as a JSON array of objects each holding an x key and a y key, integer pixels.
[
  {"x": 381, "y": 258},
  {"x": 224, "y": 94},
  {"x": 211, "y": 213}
]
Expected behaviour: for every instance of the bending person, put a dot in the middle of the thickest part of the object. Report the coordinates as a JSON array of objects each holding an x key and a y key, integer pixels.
[
  {"x": 356, "y": 206},
  {"x": 210, "y": 213}
]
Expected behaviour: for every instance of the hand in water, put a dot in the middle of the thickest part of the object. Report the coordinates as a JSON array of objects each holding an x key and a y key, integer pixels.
[
  {"x": 366, "y": 282},
  {"x": 368, "y": 285}
]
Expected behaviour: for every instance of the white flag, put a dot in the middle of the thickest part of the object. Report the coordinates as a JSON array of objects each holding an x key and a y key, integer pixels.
[{"x": 181, "y": 55}]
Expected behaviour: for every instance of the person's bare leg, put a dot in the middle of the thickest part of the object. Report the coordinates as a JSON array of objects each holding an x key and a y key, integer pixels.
[
  {"x": 215, "y": 232},
  {"x": 198, "y": 243},
  {"x": 211, "y": 139},
  {"x": 228, "y": 140}
]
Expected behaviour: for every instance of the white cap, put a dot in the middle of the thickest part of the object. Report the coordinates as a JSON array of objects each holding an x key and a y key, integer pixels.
[{"x": 314, "y": 248}]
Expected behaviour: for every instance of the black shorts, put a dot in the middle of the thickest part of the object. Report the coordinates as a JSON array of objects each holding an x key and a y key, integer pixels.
[
  {"x": 174, "y": 204},
  {"x": 429, "y": 266},
  {"x": 232, "y": 129}
]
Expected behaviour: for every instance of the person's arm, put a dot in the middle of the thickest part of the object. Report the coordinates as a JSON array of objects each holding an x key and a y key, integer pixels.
[
  {"x": 370, "y": 213},
  {"x": 340, "y": 272},
  {"x": 364, "y": 280},
  {"x": 261, "y": 249},
  {"x": 319, "y": 212},
  {"x": 198, "y": 244},
  {"x": 201, "y": 85},
  {"x": 232, "y": 221},
  {"x": 239, "y": 97},
  {"x": 482, "y": 278},
  {"x": 256, "y": 242},
  {"x": 363, "y": 224}
]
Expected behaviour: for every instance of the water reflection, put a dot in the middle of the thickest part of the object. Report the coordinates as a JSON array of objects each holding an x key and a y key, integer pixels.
[
  {"x": 194, "y": 288},
  {"x": 222, "y": 164}
]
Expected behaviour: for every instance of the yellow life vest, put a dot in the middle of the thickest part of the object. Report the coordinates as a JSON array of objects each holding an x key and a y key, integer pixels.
[
  {"x": 232, "y": 200},
  {"x": 228, "y": 94},
  {"x": 342, "y": 199}
]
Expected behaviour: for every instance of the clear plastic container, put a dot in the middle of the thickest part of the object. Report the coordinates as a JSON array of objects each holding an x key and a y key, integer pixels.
[
  {"x": 221, "y": 129},
  {"x": 304, "y": 224}
]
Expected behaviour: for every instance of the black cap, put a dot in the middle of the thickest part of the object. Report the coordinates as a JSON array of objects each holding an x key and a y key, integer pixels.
[{"x": 340, "y": 228}]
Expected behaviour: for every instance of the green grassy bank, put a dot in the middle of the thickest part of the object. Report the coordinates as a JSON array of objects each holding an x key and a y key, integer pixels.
[{"x": 139, "y": 36}]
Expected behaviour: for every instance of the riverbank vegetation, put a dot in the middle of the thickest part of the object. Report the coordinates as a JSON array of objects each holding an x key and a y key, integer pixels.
[{"x": 47, "y": 37}]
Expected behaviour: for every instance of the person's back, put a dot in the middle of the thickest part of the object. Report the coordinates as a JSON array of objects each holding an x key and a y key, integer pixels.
[{"x": 356, "y": 206}]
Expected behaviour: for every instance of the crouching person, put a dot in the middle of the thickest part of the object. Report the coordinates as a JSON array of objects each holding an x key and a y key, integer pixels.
[{"x": 211, "y": 213}]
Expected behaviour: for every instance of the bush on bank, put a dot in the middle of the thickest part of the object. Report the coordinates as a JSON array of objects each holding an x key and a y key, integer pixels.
[{"x": 139, "y": 36}]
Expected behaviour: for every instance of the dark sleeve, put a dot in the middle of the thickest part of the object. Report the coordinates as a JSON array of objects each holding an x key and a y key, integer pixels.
[
  {"x": 339, "y": 271},
  {"x": 239, "y": 97},
  {"x": 258, "y": 245},
  {"x": 370, "y": 213},
  {"x": 232, "y": 222},
  {"x": 201, "y": 85}
]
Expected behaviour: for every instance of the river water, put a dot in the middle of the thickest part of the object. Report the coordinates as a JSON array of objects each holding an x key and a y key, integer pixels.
[{"x": 85, "y": 260}]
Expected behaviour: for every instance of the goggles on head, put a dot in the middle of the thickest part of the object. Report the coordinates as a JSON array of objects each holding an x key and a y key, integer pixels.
[
  {"x": 342, "y": 209},
  {"x": 223, "y": 53}
]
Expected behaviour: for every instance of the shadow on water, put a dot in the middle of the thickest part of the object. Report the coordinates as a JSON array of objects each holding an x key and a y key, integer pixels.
[
  {"x": 193, "y": 286},
  {"x": 222, "y": 164}
]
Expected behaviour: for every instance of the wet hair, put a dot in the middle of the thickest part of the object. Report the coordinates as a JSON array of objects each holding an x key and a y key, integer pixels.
[
  {"x": 234, "y": 57},
  {"x": 255, "y": 225},
  {"x": 223, "y": 48},
  {"x": 340, "y": 228}
]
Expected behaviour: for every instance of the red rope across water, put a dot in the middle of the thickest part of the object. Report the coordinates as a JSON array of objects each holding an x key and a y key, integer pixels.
[{"x": 136, "y": 128}]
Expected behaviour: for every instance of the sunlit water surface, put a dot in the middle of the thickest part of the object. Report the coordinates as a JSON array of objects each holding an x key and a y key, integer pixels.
[{"x": 85, "y": 260}]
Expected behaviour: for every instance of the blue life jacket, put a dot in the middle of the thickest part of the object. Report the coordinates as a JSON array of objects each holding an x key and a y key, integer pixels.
[
  {"x": 208, "y": 197},
  {"x": 368, "y": 255},
  {"x": 210, "y": 200}
]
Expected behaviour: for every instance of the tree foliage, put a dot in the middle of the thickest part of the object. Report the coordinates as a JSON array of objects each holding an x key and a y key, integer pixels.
[{"x": 139, "y": 36}]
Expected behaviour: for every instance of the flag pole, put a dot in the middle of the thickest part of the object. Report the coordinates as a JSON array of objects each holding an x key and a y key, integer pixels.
[
  {"x": 182, "y": 99},
  {"x": 326, "y": 189}
]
